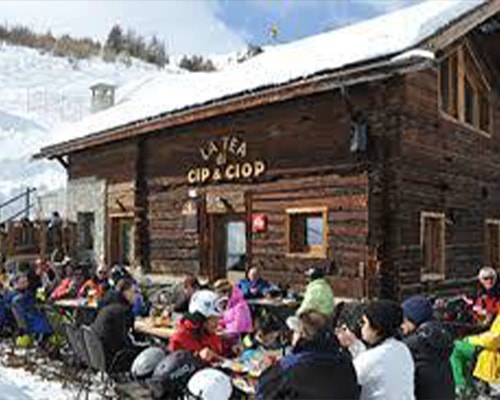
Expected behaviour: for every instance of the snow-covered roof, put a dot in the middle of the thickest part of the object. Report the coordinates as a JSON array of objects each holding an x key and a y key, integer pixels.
[{"x": 387, "y": 35}]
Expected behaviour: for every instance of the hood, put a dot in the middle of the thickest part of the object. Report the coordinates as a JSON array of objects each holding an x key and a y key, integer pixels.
[
  {"x": 236, "y": 297},
  {"x": 435, "y": 335},
  {"x": 323, "y": 341}
]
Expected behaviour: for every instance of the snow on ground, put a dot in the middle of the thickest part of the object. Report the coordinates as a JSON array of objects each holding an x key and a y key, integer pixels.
[
  {"x": 390, "y": 34},
  {"x": 18, "y": 384}
]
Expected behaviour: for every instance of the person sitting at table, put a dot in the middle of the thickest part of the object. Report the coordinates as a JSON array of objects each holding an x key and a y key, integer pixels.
[
  {"x": 317, "y": 368},
  {"x": 114, "y": 324},
  {"x": 254, "y": 287},
  {"x": 183, "y": 292},
  {"x": 47, "y": 276},
  {"x": 236, "y": 319},
  {"x": 485, "y": 302},
  {"x": 141, "y": 306},
  {"x": 319, "y": 294},
  {"x": 197, "y": 330},
  {"x": 98, "y": 284},
  {"x": 265, "y": 337},
  {"x": 69, "y": 286},
  {"x": 32, "y": 323}
]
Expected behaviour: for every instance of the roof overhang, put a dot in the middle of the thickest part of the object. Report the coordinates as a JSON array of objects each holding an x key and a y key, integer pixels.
[{"x": 325, "y": 81}]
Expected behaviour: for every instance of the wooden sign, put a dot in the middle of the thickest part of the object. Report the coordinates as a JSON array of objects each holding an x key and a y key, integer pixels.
[{"x": 226, "y": 162}]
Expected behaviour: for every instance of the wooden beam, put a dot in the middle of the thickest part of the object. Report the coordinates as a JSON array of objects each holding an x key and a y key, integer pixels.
[{"x": 63, "y": 161}]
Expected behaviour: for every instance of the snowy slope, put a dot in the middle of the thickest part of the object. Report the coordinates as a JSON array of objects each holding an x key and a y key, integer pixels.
[
  {"x": 39, "y": 91},
  {"x": 390, "y": 34}
]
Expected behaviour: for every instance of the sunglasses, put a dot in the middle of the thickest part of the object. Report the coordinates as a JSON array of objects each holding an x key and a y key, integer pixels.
[{"x": 489, "y": 278}]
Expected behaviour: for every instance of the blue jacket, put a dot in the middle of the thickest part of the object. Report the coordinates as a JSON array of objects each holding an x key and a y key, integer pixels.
[
  {"x": 260, "y": 288},
  {"x": 6, "y": 318},
  {"x": 316, "y": 369},
  {"x": 30, "y": 319}
]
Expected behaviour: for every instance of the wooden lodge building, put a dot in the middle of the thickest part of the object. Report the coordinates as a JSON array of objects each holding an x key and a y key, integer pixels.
[{"x": 386, "y": 165}]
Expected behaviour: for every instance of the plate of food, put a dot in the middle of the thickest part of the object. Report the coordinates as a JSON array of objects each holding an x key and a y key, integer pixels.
[
  {"x": 235, "y": 366},
  {"x": 243, "y": 385}
]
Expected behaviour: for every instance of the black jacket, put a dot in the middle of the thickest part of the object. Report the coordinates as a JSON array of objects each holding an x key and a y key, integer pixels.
[
  {"x": 431, "y": 346},
  {"x": 113, "y": 324},
  {"x": 317, "y": 369}
]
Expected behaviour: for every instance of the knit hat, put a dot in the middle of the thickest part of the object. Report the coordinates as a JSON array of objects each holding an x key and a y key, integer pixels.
[{"x": 417, "y": 309}]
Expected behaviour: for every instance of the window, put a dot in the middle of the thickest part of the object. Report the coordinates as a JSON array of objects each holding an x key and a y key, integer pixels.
[
  {"x": 492, "y": 242},
  {"x": 236, "y": 237},
  {"x": 86, "y": 225},
  {"x": 463, "y": 90},
  {"x": 433, "y": 244},
  {"x": 307, "y": 232}
]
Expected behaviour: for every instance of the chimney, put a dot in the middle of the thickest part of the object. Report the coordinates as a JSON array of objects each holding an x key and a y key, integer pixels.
[{"x": 103, "y": 96}]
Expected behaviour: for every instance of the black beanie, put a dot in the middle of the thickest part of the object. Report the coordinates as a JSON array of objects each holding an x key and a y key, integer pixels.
[{"x": 385, "y": 316}]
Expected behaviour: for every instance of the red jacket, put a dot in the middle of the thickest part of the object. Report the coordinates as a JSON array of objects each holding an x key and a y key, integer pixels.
[{"x": 190, "y": 336}]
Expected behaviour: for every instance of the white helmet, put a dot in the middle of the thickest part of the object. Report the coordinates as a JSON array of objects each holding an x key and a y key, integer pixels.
[
  {"x": 205, "y": 302},
  {"x": 210, "y": 384}
]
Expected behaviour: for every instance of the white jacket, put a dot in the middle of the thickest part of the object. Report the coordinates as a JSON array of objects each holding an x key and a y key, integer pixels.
[{"x": 386, "y": 372}]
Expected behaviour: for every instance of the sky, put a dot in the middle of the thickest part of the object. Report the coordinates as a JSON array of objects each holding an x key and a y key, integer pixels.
[{"x": 196, "y": 26}]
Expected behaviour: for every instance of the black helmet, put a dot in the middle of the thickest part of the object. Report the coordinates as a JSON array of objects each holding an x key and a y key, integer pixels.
[
  {"x": 146, "y": 362},
  {"x": 172, "y": 374},
  {"x": 118, "y": 272},
  {"x": 317, "y": 272}
]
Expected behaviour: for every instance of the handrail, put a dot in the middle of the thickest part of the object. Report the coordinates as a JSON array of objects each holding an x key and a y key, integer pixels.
[
  {"x": 19, "y": 196},
  {"x": 19, "y": 213},
  {"x": 28, "y": 205}
]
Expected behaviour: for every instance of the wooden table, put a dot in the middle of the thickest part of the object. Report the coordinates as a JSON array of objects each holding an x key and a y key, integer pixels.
[
  {"x": 275, "y": 303},
  {"x": 79, "y": 310},
  {"x": 76, "y": 303},
  {"x": 146, "y": 326}
]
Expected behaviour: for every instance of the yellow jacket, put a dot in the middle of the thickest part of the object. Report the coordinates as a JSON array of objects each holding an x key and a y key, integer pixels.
[{"x": 488, "y": 363}]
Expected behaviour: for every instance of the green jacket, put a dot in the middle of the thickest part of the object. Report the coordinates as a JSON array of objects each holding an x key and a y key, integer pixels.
[{"x": 318, "y": 297}]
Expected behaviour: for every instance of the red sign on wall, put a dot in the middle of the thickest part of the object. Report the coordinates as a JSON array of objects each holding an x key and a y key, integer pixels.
[{"x": 259, "y": 223}]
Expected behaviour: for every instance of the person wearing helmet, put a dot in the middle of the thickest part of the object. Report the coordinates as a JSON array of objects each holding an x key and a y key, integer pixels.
[
  {"x": 317, "y": 367},
  {"x": 172, "y": 374},
  {"x": 209, "y": 384},
  {"x": 197, "y": 330},
  {"x": 140, "y": 306},
  {"x": 146, "y": 362}
]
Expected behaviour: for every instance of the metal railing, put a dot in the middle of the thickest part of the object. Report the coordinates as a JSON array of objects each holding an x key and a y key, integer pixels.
[{"x": 24, "y": 210}]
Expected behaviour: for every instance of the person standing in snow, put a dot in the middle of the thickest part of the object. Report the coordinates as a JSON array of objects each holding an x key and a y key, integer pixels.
[{"x": 386, "y": 370}]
